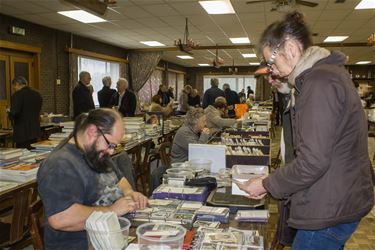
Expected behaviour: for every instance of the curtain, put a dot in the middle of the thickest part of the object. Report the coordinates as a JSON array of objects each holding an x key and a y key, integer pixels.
[
  {"x": 259, "y": 89},
  {"x": 141, "y": 66},
  {"x": 123, "y": 70},
  {"x": 73, "y": 79}
]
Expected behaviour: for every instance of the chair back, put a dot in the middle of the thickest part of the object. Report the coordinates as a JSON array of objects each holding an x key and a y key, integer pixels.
[
  {"x": 36, "y": 218},
  {"x": 165, "y": 153}
]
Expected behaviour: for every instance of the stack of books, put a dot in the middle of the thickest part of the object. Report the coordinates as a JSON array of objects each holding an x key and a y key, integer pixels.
[
  {"x": 9, "y": 156},
  {"x": 45, "y": 146},
  {"x": 58, "y": 137},
  {"x": 19, "y": 172},
  {"x": 67, "y": 126}
]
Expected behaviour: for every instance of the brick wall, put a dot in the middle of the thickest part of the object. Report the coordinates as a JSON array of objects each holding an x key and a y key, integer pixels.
[{"x": 54, "y": 61}]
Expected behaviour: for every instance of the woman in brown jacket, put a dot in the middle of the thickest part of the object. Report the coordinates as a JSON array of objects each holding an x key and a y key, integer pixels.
[{"x": 329, "y": 183}]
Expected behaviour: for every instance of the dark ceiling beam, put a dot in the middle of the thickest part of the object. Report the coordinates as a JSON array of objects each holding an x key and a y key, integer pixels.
[{"x": 249, "y": 46}]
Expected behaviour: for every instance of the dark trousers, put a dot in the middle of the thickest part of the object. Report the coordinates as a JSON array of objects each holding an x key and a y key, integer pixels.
[{"x": 25, "y": 144}]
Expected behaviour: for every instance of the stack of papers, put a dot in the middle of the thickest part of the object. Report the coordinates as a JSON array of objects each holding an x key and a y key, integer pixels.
[
  {"x": 58, "y": 137},
  {"x": 220, "y": 214},
  {"x": 19, "y": 172},
  {"x": 104, "y": 231},
  {"x": 45, "y": 145},
  {"x": 252, "y": 216},
  {"x": 5, "y": 185},
  {"x": 9, "y": 156},
  {"x": 133, "y": 124},
  {"x": 67, "y": 126}
]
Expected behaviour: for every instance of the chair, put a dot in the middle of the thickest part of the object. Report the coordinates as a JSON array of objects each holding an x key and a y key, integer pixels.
[
  {"x": 165, "y": 153},
  {"x": 36, "y": 220}
]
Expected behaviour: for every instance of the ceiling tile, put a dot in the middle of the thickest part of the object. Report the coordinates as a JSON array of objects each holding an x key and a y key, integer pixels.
[{"x": 160, "y": 10}]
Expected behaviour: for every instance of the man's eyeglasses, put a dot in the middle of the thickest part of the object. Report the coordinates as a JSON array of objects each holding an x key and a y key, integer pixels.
[
  {"x": 271, "y": 61},
  {"x": 111, "y": 145}
]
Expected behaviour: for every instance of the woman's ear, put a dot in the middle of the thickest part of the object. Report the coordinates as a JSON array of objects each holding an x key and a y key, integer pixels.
[{"x": 292, "y": 49}]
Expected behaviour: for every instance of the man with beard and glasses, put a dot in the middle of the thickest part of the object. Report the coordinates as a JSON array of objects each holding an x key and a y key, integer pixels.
[{"x": 79, "y": 177}]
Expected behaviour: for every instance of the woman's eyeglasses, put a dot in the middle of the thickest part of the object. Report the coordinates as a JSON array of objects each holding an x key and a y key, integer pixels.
[
  {"x": 111, "y": 145},
  {"x": 271, "y": 61}
]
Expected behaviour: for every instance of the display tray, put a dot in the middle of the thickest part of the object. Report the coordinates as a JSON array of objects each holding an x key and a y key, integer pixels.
[{"x": 224, "y": 197}]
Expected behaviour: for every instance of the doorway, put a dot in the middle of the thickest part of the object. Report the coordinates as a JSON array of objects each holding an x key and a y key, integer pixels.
[{"x": 15, "y": 61}]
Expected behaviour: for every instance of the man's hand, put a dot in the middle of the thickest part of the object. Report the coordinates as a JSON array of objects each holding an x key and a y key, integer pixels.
[
  {"x": 254, "y": 188},
  {"x": 139, "y": 199},
  {"x": 123, "y": 206},
  {"x": 230, "y": 107},
  {"x": 206, "y": 131}
]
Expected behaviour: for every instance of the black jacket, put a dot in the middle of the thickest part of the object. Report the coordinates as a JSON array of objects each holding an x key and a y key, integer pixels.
[
  {"x": 210, "y": 95},
  {"x": 82, "y": 99},
  {"x": 104, "y": 97},
  {"x": 128, "y": 103},
  {"x": 25, "y": 109},
  {"x": 194, "y": 101},
  {"x": 165, "y": 98},
  {"x": 232, "y": 99}
]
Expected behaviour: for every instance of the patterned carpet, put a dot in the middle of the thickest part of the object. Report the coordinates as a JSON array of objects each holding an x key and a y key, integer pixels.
[{"x": 364, "y": 236}]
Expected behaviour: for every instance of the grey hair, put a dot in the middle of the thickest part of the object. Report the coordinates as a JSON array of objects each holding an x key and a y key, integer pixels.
[
  {"x": 124, "y": 81},
  {"x": 82, "y": 74},
  {"x": 20, "y": 80},
  {"x": 214, "y": 82},
  {"x": 193, "y": 115},
  {"x": 106, "y": 80},
  {"x": 221, "y": 99}
]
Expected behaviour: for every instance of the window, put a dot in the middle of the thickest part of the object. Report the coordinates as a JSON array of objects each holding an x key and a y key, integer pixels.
[
  {"x": 98, "y": 69},
  {"x": 236, "y": 83}
]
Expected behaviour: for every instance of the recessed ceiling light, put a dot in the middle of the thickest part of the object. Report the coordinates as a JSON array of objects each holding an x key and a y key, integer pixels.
[
  {"x": 217, "y": 7},
  {"x": 152, "y": 43},
  {"x": 82, "y": 16},
  {"x": 254, "y": 63},
  {"x": 363, "y": 62},
  {"x": 332, "y": 39},
  {"x": 203, "y": 64},
  {"x": 249, "y": 55},
  {"x": 365, "y": 4},
  {"x": 185, "y": 57},
  {"x": 238, "y": 40}
]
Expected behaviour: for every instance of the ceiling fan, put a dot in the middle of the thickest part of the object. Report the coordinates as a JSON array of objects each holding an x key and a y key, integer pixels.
[
  {"x": 281, "y": 5},
  {"x": 96, "y": 6}
]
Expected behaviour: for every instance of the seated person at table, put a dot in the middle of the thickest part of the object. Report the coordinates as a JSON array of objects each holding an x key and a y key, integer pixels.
[
  {"x": 214, "y": 114},
  {"x": 156, "y": 106},
  {"x": 79, "y": 177},
  {"x": 192, "y": 131}
]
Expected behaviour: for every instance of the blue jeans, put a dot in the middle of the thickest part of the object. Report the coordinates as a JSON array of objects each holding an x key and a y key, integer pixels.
[{"x": 331, "y": 238}]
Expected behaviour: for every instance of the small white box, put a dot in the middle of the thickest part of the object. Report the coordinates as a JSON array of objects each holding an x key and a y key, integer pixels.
[{"x": 243, "y": 173}]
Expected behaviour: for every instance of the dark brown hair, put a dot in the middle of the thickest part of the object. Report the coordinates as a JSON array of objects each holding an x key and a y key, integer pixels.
[{"x": 293, "y": 26}]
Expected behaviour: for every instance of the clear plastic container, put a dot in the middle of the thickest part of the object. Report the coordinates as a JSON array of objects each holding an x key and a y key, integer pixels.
[
  {"x": 161, "y": 236},
  {"x": 180, "y": 172},
  {"x": 114, "y": 240},
  {"x": 179, "y": 165},
  {"x": 200, "y": 164}
]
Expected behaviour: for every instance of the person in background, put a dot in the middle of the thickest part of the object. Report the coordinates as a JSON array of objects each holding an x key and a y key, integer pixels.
[
  {"x": 163, "y": 93},
  {"x": 24, "y": 113},
  {"x": 215, "y": 113},
  {"x": 242, "y": 96},
  {"x": 105, "y": 94},
  {"x": 156, "y": 106},
  {"x": 124, "y": 99},
  {"x": 82, "y": 96},
  {"x": 171, "y": 92},
  {"x": 329, "y": 183},
  {"x": 212, "y": 93},
  {"x": 194, "y": 130},
  {"x": 249, "y": 91},
  {"x": 232, "y": 99},
  {"x": 79, "y": 177},
  {"x": 183, "y": 105},
  {"x": 194, "y": 99}
]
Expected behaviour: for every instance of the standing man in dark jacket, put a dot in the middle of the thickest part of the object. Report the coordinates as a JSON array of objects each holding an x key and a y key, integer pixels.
[
  {"x": 25, "y": 109},
  {"x": 329, "y": 184},
  {"x": 232, "y": 99},
  {"x": 82, "y": 96},
  {"x": 105, "y": 94},
  {"x": 124, "y": 99},
  {"x": 212, "y": 93}
]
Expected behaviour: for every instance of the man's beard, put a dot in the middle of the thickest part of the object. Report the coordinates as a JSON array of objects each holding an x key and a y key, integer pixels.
[{"x": 100, "y": 164}]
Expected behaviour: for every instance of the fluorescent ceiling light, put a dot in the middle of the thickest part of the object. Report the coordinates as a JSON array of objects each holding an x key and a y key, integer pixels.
[
  {"x": 203, "y": 64},
  {"x": 217, "y": 7},
  {"x": 152, "y": 43},
  {"x": 254, "y": 63},
  {"x": 249, "y": 55},
  {"x": 185, "y": 57},
  {"x": 238, "y": 40},
  {"x": 332, "y": 39},
  {"x": 365, "y": 4},
  {"x": 82, "y": 16},
  {"x": 363, "y": 62}
]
